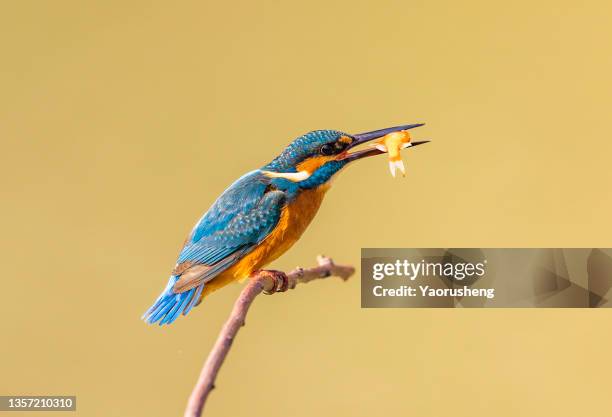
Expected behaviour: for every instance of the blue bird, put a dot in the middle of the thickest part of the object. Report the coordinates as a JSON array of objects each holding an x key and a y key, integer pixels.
[{"x": 259, "y": 217}]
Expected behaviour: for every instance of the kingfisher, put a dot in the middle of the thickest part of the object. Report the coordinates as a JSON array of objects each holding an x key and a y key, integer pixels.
[{"x": 259, "y": 217}]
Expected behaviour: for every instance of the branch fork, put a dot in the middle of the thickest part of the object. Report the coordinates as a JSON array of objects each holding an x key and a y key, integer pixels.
[{"x": 268, "y": 282}]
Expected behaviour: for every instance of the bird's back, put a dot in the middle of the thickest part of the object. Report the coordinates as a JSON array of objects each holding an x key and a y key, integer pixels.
[
  {"x": 251, "y": 224},
  {"x": 234, "y": 225}
]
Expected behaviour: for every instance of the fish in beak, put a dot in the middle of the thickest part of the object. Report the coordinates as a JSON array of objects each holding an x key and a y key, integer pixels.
[{"x": 366, "y": 137}]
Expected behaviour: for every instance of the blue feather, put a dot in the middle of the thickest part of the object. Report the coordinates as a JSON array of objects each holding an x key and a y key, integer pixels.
[
  {"x": 170, "y": 305},
  {"x": 194, "y": 299}
]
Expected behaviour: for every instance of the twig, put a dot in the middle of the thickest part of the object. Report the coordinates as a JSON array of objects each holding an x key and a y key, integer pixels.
[{"x": 268, "y": 282}]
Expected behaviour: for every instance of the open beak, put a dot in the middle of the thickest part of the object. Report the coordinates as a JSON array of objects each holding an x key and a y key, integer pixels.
[{"x": 362, "y": 138}]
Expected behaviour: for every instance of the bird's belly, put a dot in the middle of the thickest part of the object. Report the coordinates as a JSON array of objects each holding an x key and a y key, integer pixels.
[{"x": 294, "y": 219}]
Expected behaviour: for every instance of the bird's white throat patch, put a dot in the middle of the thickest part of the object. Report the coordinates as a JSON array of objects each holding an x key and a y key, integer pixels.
[{"x": 291, "y": 176}]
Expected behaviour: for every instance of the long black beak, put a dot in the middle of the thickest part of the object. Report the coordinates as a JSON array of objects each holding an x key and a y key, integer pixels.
[{"x": 362, "y": 138}]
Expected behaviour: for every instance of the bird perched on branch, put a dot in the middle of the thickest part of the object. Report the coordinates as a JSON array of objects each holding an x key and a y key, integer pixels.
[{"x": 259, "y": 217}]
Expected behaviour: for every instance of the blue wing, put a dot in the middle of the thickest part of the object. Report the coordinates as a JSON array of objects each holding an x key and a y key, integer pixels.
[{"x": 240, "y": 218}]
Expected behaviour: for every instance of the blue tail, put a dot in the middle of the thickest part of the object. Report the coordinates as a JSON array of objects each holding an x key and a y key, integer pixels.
[{"x": 170, "y": 305}]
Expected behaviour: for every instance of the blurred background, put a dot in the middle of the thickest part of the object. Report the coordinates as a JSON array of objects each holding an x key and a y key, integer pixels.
[{"x": 121, "y": 121}]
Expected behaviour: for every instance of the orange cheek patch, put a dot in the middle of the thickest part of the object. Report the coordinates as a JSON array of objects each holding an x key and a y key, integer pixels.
[{"x": 312, "y": 164}]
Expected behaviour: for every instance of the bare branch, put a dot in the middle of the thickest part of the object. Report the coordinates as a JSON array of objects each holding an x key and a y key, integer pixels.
[{"x": 265, "y": 281}]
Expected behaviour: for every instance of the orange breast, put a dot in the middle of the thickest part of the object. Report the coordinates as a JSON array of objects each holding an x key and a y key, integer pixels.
[{"x": 294, "y": 219}]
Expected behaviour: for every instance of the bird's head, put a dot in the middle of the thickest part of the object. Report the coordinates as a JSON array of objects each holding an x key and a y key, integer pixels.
[{"x": 312, "y": 159}]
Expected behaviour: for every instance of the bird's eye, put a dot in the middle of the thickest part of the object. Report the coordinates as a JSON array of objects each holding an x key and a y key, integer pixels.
[{"x": 327, "y": 150}]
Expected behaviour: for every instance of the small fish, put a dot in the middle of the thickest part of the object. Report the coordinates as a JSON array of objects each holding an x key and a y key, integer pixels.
[{"x": 392, "y": 144}]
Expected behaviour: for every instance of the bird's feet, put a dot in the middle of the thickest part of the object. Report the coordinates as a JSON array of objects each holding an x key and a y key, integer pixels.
[{"x": 279, "y": 279}]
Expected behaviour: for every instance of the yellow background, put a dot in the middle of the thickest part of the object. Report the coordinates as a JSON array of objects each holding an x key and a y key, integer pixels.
[{"x": 120, "y": 122}]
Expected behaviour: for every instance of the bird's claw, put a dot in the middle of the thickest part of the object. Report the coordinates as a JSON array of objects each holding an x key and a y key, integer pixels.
[{"x": 279, "y": 278}]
